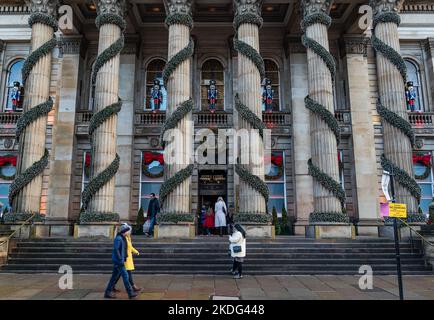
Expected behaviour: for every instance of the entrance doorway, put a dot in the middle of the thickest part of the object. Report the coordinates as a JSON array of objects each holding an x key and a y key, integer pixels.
[{"x": 212, "y": 184}]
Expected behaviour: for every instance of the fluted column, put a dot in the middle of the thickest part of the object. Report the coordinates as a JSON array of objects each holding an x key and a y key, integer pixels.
[
  {"x": 99, "y": 196},
  {"x": 175, "y": 191},
  {"x": 247, "y": 22},
  {"x": 26, "y": 189},
  {"x": 328, "y": 194},
  {"x": 391, "y": 74}
]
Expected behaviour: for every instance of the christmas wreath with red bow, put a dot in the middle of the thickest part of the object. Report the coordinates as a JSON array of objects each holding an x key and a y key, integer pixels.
[
  {"x": 148, "y": 158},
  {"x": 425, "y": 160},
  {"x": 4, "y": 160},
  {"x": 87, "y": 164},
  {"x": 277, "y": 160}
]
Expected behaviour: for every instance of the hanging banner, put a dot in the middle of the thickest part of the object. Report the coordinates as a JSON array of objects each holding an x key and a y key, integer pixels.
[{"x": 385, "y": 180}]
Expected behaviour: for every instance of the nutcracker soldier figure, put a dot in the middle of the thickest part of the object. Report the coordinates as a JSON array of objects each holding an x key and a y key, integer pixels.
[
  {"x": 212, "y": 95},
  {"x": 156, "y": 95},
  {"x": 16, "y": 96},
  {"x": 267, "y": 96},
  {"x": 410, "y": 96}
]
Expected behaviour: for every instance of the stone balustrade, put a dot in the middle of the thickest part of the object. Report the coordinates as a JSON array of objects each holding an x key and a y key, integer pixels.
[
  {"x": 9, "y": 117},
  {"x": 421, "y": 119}
]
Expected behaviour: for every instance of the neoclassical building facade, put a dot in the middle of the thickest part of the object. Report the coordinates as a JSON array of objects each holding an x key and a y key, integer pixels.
[{"x": 346, "y": 89}]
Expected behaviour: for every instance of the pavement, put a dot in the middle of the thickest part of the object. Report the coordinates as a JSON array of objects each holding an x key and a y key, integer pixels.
[{"x": 204, "y": 287}]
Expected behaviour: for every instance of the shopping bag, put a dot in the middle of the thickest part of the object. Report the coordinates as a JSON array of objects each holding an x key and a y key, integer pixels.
[{"x": 146, "y": 226}]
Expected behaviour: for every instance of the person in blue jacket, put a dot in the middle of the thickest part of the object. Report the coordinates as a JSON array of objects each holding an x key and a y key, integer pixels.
[{"x": 119, "y": 256}]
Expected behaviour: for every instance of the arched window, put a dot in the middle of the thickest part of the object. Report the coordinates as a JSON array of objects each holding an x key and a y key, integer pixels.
[
  {"x": 155, "y": 93},
  {"x": 272, "y": 74},
  {"x": 212, "y": 74},
  {"x": 14, "y": 87},
  {"x": 413, "y": 75}
]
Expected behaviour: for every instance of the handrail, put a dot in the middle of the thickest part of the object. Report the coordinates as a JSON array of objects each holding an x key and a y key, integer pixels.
[
  {"x": 414, "y": 230},
  {"x": 19, "y": 228}
]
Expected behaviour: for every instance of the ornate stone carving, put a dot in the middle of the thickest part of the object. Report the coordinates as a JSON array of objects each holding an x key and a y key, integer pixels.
[
  {"x": 381, "y": 6},
  {"x": 111, "y": 6},
  {"x": 43, "y": 6},
  {"x": 248, "y": 6},
  {"x": 315, "y": 6},
  {"x": 8, "y": 143},
  {"x": 178, "y": 6},
  {"x": 356, "y": 45},
  {"x": 71, "y": 45},
  {"x": 419, "y": 143}
]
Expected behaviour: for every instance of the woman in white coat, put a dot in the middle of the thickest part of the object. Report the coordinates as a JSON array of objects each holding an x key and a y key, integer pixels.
[
  {"x": 238, "y": 250},
  {"x": 220, "y": 215}
]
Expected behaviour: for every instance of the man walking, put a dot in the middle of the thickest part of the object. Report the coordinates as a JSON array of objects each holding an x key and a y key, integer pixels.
[
  {"x": 119, "y": 256},
  {"x": 153, "y": 210}
]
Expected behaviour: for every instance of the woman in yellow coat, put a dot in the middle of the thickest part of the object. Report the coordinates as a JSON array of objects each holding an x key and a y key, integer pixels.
[{"x": 129, "y": 263}]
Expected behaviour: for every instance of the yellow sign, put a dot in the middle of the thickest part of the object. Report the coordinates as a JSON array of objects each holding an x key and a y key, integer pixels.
[{"x": 397, "y": 210}]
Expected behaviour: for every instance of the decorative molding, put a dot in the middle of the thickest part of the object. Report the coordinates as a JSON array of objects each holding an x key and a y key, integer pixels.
[
  {"x": 111, "y": 6},
  {"x": 355, "y": 45},
  {"x": 417, "y": 8},
  {"x": 177, "y": 7},
  {"x": 71, "y": 45},
  {"x": 429, "y": 46},
  {"x": 382, "y": 6},
  {"x": 48, "y": 7},
  {"x": 248, "y": 7},
  {"x": 2, "y": 45},
  {"x": 19, "y": 8},
  {"x": 316, "y": 6}
]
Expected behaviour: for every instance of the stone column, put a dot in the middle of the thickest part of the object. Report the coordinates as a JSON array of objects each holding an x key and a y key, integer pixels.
[
  {"x": 62, "y": 161},
  {"x": 391, "y": 78},
  {"x": 178, "y": 81},
  {"x": 104, "y": 154},
  {"x": 301, "y": 133},
  {"x": 321, "y": 69},
  {"x": 37, "y": 88},
  {"x": 429, "y": 47},
  {"x": 365, "y": 163},
  {"x": 247, "y": 22}
]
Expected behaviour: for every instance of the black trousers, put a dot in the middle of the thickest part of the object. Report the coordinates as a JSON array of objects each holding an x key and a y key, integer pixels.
[{"x": 238, "y": 266}]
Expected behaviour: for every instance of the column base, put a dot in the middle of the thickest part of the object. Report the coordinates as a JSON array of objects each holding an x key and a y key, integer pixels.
[
  {"x": 174, "y": 231},
  {"x": 93, "y": 230},
  {"x": 369, "y": 227},
  {"x": 300, "y": 227},
  {"x": 331, "y": 231},
  {"x": 258, "y": 230}
]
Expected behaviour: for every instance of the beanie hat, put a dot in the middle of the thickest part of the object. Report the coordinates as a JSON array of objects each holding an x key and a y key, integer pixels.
[{"x": 124, "y": 228}]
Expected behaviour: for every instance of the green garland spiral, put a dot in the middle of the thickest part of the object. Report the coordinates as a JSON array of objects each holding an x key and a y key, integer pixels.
[
  {"x": 102, "y": 178},
  {"x": 324, "y": 114},
  {"x": 181, "y": 111},
  {"x": 33, "y": 113},
  {"x": 253, "y": 55},
  {"x": 403, "y": 178}
]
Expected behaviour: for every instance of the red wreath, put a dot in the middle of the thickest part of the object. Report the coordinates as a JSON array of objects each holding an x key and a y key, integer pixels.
[
  {"x": 425, "y": 160},
  {"x": 277, "y": 161},
  {"x": 4, "y": 160},
  {"x": 87, "y": 161},
  {"x": 148, "y": 158}
]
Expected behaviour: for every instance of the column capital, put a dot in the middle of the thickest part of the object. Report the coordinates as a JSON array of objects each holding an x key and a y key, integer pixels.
[
  {"x": 354, "y": 44},
  {"x": 382, "y": 6},
  {"x": 178, "y": 7},
  {"x": 48, "y": 7},
  {"x": 248, "y": 7},
  {"x": 111, "y": 6},
  {"x": 316, "y": 6}
]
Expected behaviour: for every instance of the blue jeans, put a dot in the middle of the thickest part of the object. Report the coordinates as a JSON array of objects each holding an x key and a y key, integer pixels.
[
  {"x": 151, "y": 226},
  {"x": 119, "y": 271}
]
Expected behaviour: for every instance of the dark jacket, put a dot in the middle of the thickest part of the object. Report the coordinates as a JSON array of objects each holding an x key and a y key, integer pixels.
[
  {"x": 153, "y": 208},
  {"x": 119, "y": 255}
]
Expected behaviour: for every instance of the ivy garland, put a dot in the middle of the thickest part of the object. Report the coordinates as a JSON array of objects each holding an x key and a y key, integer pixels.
[
  {"x": 322, "y": 52},
  {"x": 254, "y": 181},
  {"x": 249, "y": 116},
  {"x": 170, "y": 184},
  {"x": 46, "y": 19},
  {"x": 180, "y": 112},
  {"x": 98, "y": 181},
  {"x": 242, "y": 217},
  {"x": 175, "y": 217},
  {"x": 28, "y": 175},
  {"x": 179, "y": 18},
  {"x": 318, "y": 217},
  {"x": 177, "y": 59},
  {"x": 325, "y": 115},
  {"x": 248, "y": 18},
  {"x": 251, "y": 53},
  {"x": 395, "y": 120},
  {"x": 35, "y": 56},
  {"x": 327, "y": 182},
  {"x": 402, "y": 177},
  {"x": 22, "y": 216},
  {"x": 31, "y": 115},
  {"x": 312, "y": 19}
]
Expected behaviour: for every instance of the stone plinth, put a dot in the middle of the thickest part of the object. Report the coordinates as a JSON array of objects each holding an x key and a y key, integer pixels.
[
  {"x": 367, "y": 227},
  {"x": 180, "y": 231},
  {"x": 259, "y": 230},
  {"x": 95, "y": 230},
  {"x": 404, "y": 233},
  {"x": 331, "y": 231}
]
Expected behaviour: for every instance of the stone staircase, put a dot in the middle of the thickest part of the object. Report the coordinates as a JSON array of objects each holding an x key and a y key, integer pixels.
[
  {"x": 5, "y": 230},
  {"x": 203, "y": 255}
]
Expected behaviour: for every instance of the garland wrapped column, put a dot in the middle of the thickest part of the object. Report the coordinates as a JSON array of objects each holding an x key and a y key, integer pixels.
[
  {"x": 254, "y": 193},
  {"x": 99, "y": 195},
  {"x": 25, "y": 191},
  {"x": 329, "y": 197},
  {"x": 175, "y": 191},
  {"x": 392, "y": 73}
]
